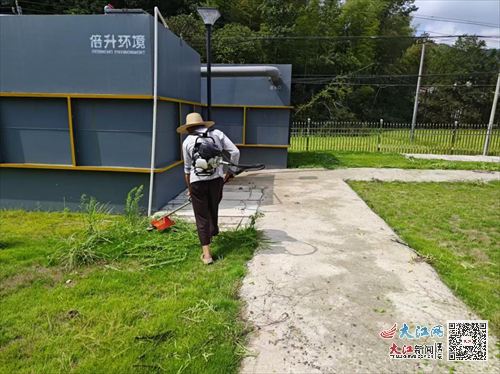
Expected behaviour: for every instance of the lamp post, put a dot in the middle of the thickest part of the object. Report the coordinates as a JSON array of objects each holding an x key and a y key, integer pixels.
[{"x": 209, "y": 16}]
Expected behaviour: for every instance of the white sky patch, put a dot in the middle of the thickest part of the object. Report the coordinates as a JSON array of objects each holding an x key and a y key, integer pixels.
[{"x": 485, "y": 11}]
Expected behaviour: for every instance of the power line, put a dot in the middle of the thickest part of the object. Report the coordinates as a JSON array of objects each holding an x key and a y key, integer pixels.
[
  {"x": 458, "y": 19},
  {"x": 452, "y": 20},
  {"x": 433, "y": 32},
  {"x": 37, "y": 10},
  {"x": 434, "y": 18},
  {"x": 334, "y": 38},
  {"x": 45, "y": 4}
]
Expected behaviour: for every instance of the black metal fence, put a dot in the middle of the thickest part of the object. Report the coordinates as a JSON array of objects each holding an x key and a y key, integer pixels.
[{"x": 432, "y": 138}]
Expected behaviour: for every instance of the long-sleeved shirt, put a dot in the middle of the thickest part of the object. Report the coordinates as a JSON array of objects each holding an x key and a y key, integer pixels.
[{"x": 221, "y": 140}]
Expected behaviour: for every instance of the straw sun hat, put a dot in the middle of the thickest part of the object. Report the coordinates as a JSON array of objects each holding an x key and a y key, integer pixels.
[{"x": 194, "y": 120}]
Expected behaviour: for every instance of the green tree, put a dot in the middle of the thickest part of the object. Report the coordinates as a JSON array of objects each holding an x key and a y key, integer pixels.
[
  {"x": 231, "y": 45},
  {"x": 190, "y": 28},
  {"x": 464, "y": 91}
]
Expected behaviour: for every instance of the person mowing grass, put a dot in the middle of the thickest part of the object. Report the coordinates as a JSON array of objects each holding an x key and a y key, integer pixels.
[{"x": 205, "y": 175}]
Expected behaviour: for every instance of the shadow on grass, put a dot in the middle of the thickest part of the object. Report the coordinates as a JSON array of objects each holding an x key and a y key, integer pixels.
[
  {"x": 313, "y": 160},
  {"x": 10, "y": 243}
]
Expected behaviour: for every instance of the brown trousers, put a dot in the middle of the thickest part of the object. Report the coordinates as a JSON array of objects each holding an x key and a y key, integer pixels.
[{"x": 206, "y": 196}]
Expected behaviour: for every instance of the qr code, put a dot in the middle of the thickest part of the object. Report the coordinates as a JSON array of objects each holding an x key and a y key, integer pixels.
[{"x": 467, "y": 340}]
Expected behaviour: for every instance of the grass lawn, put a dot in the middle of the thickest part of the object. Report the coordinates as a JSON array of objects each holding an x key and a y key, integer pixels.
[
  {"x": 346, "y": 159},
  {"x": 144, "y": 303},
  {"x": 457, "y": 225}
]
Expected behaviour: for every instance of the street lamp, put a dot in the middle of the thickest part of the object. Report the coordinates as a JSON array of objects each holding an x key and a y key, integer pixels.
[{"x": 209, "y": 16}]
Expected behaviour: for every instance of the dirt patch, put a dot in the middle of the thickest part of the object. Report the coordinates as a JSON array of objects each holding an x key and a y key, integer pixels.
[
  {"x": 420, "y": 259},
  {"x": 479, "y": 255},
  {"x": 30, "y": 276},
  {"x": 477, "y": 236},
  {"x": 65, "y": 317},
  {"x": 17, "y": 338}
]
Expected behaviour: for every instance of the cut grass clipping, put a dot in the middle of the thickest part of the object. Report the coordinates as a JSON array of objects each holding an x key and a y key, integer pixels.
[
  {"x": 346, "y": 159},
  {"x": 93, "y": 293},
  {"x": 455, "y": 226}
]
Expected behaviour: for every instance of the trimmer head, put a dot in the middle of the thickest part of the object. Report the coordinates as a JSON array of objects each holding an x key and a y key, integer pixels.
[{"x": 163, "y": 223}]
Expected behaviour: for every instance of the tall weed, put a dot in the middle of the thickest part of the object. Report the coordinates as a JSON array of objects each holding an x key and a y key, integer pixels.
[
  {"x": 82, "y": 248},
  {"x": 93, "y": 213},
  {"x": 79, "y": 250},
  {"x": 132, "y": 211}
]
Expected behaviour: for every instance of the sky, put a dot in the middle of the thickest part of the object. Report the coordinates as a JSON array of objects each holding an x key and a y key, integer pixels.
[{"x": 487, "y": 11}]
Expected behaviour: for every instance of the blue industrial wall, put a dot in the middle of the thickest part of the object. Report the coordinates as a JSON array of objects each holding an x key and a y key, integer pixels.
[
  {"x": 230, "y": 121},
  {"x": 58, "y": 189},
  {"x": 168, "y": 185},
  {"x": 268, "y": 125},
  {"x": 34, "y": 130},
  {"x": 112, "y": 132},
  {"x": 179, "y": 74},
  {"x": 55, "y": 54},
  {"x": 273, "y": 158},
  {"x": 46, "y": 55},
  {"x": 98, "y": 72}
]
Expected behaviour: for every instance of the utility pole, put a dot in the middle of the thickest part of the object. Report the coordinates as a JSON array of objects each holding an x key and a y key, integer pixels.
[
  {"x": 417, "y": 94},
  {"x": 492, "y": 117}
]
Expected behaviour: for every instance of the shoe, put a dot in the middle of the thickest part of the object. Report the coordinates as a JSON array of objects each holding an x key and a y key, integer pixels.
[{"x": 206, "y": 261}]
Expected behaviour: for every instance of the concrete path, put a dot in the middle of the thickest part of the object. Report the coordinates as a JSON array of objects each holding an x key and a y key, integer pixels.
[
  {"x": 242, "y": 197},
  {"x": 336, "y": 276},
  {"x": 456, "y": 157}
]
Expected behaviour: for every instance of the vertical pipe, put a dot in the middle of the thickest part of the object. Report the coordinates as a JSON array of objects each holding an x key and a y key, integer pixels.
[
  {"x": 415, "y": 106},
  {"x": 492, "y": 118},
  {"x": 71, "y": 136},
  {"x": 155, "y": 102},
  {"x": 209, "y": 74}
]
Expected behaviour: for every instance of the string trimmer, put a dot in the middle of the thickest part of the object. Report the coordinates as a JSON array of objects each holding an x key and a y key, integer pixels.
[{"x": 165, "y": 221}]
